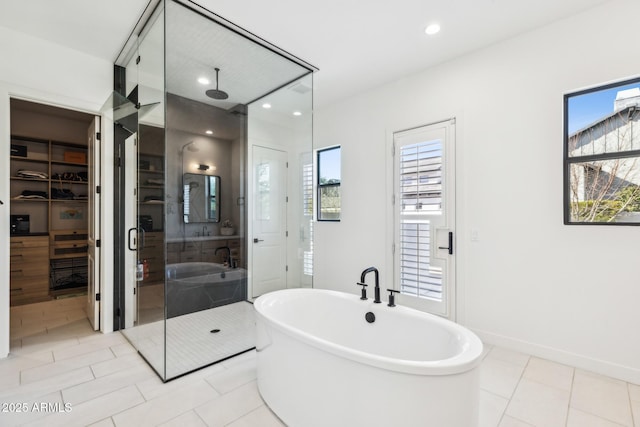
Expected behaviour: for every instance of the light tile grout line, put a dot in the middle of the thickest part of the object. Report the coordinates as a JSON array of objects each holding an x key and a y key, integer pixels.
[
  {"x": 633, "y": 421},
  {"x": 573, "y": 378},
  {"x": 514, "y": 391},
  {"x": 246, "y": 414},
  {"x": 599, "y": 415},
  {"x": 198, "y": 415},
  {"x": 574, "y": 369}
]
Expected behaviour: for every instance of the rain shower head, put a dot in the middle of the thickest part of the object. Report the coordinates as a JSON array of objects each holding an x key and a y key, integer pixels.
[
  {"x": 216, "y": 93},
  {"x": 191, "y": 146}
]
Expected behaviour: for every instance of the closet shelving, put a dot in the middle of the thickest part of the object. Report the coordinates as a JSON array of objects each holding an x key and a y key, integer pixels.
[
  {"x": 56, "y": 202},
  {"x": 47, "y": 157}
]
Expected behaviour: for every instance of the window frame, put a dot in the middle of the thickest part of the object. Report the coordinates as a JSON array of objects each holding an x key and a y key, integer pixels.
[
  {"x": 568, "y": 160},
  {"x": 320, "y": 187}
]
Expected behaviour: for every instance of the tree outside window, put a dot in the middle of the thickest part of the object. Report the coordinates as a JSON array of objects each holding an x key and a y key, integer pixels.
[
  {"x": 602, "y": 155},
  {"x": 329, "y": 184}
]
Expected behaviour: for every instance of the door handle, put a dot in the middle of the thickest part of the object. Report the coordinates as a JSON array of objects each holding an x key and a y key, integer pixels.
[
  {"x": 256, "y": 240},
  {"x": 450, "y": 247},
  {"x": 132, "y": 248}
]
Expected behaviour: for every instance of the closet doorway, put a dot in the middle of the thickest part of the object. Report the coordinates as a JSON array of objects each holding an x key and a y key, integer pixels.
[{"x": 54, "y": 217}]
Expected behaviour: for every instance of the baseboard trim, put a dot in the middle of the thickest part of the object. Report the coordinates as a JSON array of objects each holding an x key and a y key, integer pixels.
[{"x": 613, "y": 370}]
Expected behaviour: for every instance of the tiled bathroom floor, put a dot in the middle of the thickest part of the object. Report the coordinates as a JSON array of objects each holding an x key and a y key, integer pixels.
[{"x": 105, "y": 383}]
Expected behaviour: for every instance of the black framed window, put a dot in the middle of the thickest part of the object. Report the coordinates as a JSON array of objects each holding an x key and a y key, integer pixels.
[
  {"x": 602, "y": 155},
  {"x": 329, "y": 165}
]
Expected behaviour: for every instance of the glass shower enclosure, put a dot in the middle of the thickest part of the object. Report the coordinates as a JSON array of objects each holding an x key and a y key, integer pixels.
[{"x": 216, "y": 185}]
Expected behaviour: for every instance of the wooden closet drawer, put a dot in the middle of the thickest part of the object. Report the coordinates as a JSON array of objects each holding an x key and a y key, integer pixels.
[
  {"x": 29, "y": 242},
  {"x": 68, "y": 236},
  {"x": 21, "y": 298},
  {"x": 69, "y": 250},
  {"x": 38, "y": 291},
  {"x": 29, "y": 270},
  {"x": 30, "y": 284},
  {"x": 30, "y": 255}
]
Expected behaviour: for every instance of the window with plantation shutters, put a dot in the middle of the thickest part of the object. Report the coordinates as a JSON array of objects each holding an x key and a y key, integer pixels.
[
  {"x": 329, "y": 172},
  {"x": 424, "y": 216},
  {"x": 307, "y": 215},
  {"x": 420, "y": 197}
]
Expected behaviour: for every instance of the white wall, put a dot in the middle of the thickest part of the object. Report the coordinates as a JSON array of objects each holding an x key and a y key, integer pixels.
[
  {"x": 568, "y": 293},
  {"x": 41, "y": 71}
]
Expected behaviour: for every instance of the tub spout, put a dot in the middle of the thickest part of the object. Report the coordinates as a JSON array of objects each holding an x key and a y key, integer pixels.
[{"x": 377, "y": 290}]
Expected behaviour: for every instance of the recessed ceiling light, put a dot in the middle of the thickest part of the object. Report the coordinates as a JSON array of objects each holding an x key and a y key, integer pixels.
[
  {"x": 432, "y": 29},
  {"x": 209, "y": 132},
  {"x": 297, "y": 113},
  {"x": 266, "y": 105},
  {"x": 203, "y": 81}
]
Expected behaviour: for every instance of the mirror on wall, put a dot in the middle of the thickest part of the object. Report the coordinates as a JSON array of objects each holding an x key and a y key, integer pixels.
[{"x": 201, "y": 195}]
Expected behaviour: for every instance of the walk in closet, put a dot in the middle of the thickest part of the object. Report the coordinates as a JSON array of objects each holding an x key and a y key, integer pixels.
[{"x": 49, "y": 210}]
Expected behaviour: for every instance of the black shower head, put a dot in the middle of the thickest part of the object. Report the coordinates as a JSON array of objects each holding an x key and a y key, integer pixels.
[{"x": 216, "y": 93}]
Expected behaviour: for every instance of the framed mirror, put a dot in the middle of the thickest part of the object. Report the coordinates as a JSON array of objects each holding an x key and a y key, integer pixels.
[{"x": 201, "y": 196}]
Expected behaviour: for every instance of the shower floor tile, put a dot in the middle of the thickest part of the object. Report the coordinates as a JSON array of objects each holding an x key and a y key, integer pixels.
[{"x": 190, "y": 342}]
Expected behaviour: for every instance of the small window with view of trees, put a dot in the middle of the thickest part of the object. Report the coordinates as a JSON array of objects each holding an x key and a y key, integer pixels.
[
  {"x": 602, "y": 155},
  {"x": 328, "y": 163}
]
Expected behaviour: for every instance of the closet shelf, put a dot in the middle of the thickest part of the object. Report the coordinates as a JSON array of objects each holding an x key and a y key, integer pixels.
[
  {"x": 17, "y": 178},
  {"x": 59, "y": 162},
  {"x": 30, "y": 160}
]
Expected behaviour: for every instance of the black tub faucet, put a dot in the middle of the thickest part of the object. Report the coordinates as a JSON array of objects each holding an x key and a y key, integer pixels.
[
  {"x": 377, "y": 290},
  {"x": 225, "y": 248}
]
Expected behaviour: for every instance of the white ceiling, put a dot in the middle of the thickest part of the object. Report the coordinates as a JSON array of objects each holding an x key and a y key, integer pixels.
[
  {"x": 357, "y": 45},
  {"x": 195, "y": 46}
]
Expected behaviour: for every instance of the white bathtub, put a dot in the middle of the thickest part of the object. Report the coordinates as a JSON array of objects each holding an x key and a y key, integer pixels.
[{"x": 320, "y": 363}]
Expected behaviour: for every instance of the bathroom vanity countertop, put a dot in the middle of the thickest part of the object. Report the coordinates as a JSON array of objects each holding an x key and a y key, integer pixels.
[{"x": 200, "y": 238}]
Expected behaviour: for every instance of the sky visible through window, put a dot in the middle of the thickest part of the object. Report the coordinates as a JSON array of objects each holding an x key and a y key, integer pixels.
[
  {"x": 330, "y": 164},
  {"x": 590, "y": 107}
]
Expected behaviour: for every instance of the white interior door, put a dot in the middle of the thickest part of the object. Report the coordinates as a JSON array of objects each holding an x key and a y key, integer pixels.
[
  {"x": 269, "y": 234},
  {"x": 93, "y": 262},
  {"x": 131, "y": 225},
  {"x": 424, "y": 214}
]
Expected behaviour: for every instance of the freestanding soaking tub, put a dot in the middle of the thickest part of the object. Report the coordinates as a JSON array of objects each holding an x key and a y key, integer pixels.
[
  {"x": 322, "y": 363},
  {"x": 195, "y": 286}
]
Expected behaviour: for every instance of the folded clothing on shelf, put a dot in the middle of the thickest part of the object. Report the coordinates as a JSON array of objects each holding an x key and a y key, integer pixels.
[
  {"x": 24, "y": 173},
  {"x": 30, "y": 194},
  {"x": 154, "y": 199},
  {"x": 155, "y": 181}
]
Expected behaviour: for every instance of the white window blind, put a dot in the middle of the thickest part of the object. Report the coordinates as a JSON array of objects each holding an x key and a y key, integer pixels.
[
  {"x": 307, "y": 213},
  {"x": 420, "y": 196},
  {"x": 421, "y": 177},
  {"x": 307, "y": 190}
]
